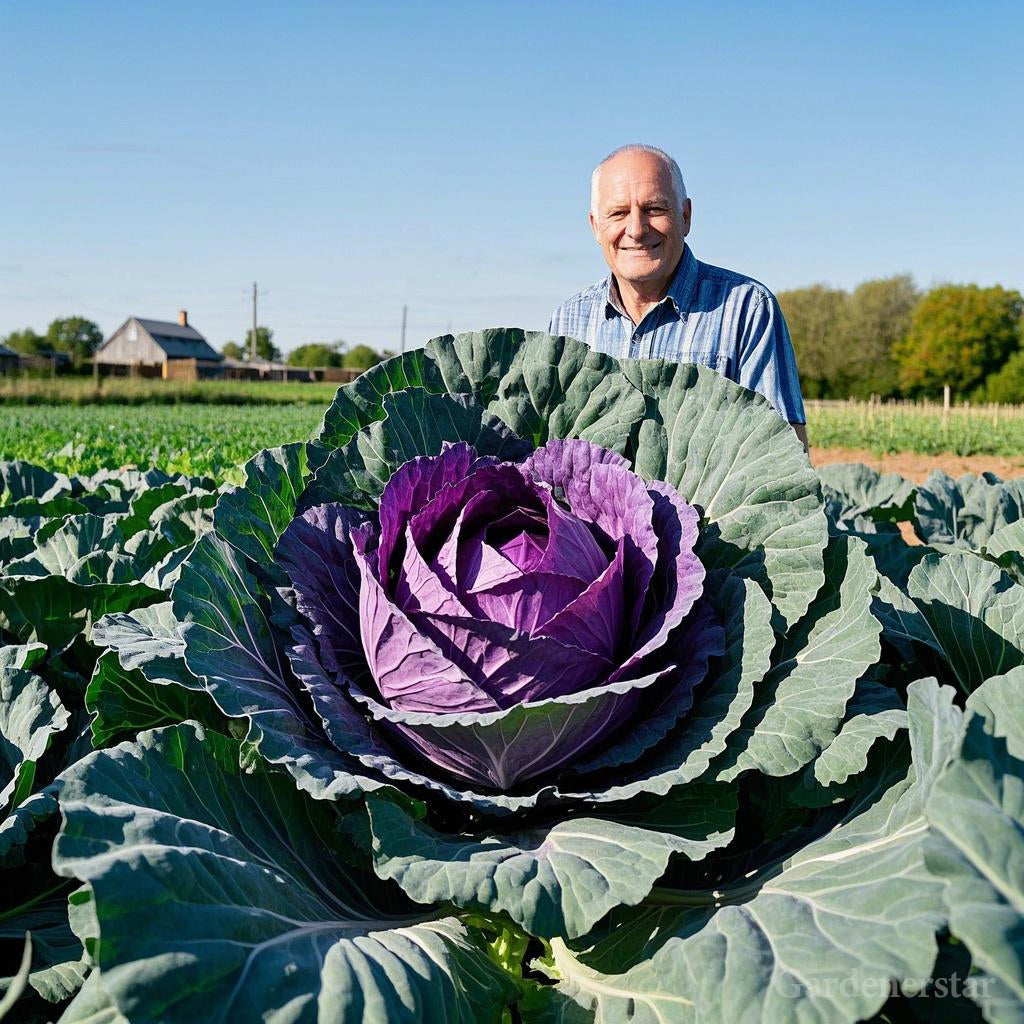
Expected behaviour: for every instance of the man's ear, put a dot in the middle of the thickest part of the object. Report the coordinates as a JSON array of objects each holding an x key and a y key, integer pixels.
[
  {"x": 687, "y": 214},
  {"x": 593, "y": 226}
]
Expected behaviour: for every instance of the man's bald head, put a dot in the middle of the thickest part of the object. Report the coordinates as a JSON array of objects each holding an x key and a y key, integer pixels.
[{"x": 675, "y": 174}]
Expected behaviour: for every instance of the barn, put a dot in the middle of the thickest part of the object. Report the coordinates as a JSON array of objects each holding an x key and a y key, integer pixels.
[{"x": 159, "y": 348}]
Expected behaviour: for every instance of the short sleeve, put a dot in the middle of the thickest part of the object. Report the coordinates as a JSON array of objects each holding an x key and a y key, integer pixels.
[
  {"x": 767, "y": 363},
  {"x": 559, "y": 323}
]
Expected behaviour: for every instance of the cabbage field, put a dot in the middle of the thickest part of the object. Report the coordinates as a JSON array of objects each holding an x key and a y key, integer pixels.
[{"x": 535, "y": 686}]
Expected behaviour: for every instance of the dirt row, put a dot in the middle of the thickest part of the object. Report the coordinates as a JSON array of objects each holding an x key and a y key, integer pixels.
[{"x": 918, "y": 467}]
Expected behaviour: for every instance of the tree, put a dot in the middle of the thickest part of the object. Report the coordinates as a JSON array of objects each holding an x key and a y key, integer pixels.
[
  {"x": 317, "y": 354},
  {"x": 27, "y": 342},
  {"x": 878, "y": 316},
  {"x": 959, "y": 334},
  {"x": 75, "y": 335},
  {"x": 1006, "y": 384},
  {"x": 232, "y": 350},
  {"x": 265, "y": 347},
  {"x": 361, "y": 357},
  {"x": 816, "y": 317}
]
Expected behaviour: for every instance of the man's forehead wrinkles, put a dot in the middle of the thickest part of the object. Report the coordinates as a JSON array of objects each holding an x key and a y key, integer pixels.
[{"x": 622, "y": 187}]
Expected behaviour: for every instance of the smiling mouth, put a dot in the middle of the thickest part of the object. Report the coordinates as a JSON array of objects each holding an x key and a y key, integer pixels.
[{"x": 639, "y": 248}]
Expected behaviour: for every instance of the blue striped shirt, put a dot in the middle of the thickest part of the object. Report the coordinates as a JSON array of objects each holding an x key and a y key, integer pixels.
[{"x": 711, "y": 316}]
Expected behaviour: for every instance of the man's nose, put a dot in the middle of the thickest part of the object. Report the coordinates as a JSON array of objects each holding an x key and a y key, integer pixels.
[{"x": 637, "y": 225}]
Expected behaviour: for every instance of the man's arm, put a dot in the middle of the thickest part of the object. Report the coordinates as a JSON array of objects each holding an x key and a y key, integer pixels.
[{"x": 767, "y": 363}]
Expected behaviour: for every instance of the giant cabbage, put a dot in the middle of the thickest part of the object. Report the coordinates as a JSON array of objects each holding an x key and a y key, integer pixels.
[
  {"x": 505, "y": 619},
  {"x": 545, "y": 686}
]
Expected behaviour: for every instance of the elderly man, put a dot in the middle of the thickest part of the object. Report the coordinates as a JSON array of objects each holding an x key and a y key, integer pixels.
[{"x": 660, "y": 301}]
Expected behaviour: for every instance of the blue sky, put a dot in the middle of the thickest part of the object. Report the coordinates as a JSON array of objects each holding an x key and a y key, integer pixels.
[{"x": 354, "y": 157}]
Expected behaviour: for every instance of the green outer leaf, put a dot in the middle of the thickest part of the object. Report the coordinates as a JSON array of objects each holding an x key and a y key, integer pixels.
[
  {"x": 416, "y": 422},
  {"x": 20, "y": 480},
  {"x": 727, "y": 451},
  {"x": 21, "y": 656},
  {"x": 144, "y": 638},
  {"x": 231, "y": 644},
  {"x": 52, "y": 611},
  {"x": 92, "y": 1005},
  {"x": 1001, "y": 701},
  {"x": 799, "y": 706},
  {"x": 474, "y": 363},
  {"x": 552, "y": 881},
  {"x": 862, "y": 491},
  {"x": 857, "y": 906},
  {"x": 558, "y": 388},
  {"x": 30, "y": 715},
  {"x": 222, "y": 895},
  {"x": 16, "y": 828},
  {"x": 225, "y": 625},
  {"x": 1007, "y": 538},
  {"x": 85, "y": 549},
  {"x": 146, "y": 502},
  {"x": 123, "y": 701},
  {"x": 875, "y": 712},
  {"x": 74, "y": 575},
  {"x": 58, "y": 968},
  {"x": 17, "y": 537},
  {"x": 966, "y": 512},
  {"x": 976, "y": 811},
  {"x": 360, "y": 403},
  {"x": 965, "y": 609},
  {"x": 54, "y": 510},
  {"x": 253, "y": 517},
  {"x": 1006, "y": 548}
]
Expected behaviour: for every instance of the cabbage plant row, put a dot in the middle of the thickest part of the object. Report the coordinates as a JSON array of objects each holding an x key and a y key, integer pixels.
[{"x": 538, "y": 686}]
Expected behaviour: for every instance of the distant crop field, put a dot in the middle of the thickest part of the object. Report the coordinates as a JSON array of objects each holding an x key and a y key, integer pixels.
[
  {"x": 137, "y": 391},
  {"x": 917, "y": 427},
  {"x": 193, "y": 439}
]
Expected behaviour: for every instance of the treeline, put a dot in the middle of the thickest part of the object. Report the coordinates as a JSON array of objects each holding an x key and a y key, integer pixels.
[
  {"x": 312, "y": 354},
  {"x": 887, "y": 338},
  {"x": 74, "y": 336}
]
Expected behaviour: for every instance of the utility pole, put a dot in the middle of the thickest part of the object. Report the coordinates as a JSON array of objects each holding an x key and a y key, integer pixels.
[
  {"x": 405, "y": 310},
  {"x": 252, "y": 342}
]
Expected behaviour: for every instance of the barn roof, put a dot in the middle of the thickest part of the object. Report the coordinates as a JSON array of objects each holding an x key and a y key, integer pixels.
[
  {"x": 177, "y": 341},
  {"x": 8, "y": 352}
]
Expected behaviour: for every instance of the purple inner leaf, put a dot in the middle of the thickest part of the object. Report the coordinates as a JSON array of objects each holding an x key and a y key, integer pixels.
[
  {"x": 511, "y": 666},
  {"x": 526, "y": 602},
  {"x": 410, "y": 672},
  {"x": 594, "y": 620}
]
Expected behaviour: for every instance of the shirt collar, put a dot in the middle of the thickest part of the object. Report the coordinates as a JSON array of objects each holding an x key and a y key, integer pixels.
[{"x": 680, "y": 288}]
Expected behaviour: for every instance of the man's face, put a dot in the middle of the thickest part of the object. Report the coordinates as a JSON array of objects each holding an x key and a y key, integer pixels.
[{"x": 638, "y": 222}]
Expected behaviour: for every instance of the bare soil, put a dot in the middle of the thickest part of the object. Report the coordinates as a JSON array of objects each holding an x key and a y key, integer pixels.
[{"x": 918, "y": 467}]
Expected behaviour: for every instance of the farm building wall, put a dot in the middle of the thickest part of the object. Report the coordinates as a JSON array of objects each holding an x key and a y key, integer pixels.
[
  {"x": 338, "y": 374},
  {"x": 191, "y": 369},
  {"x": 122, "y": 348}
]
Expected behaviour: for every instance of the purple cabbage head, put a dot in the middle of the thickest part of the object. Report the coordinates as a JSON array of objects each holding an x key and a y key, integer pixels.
[{"x": 503, "y": 619}]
